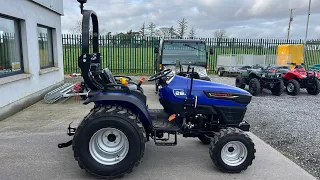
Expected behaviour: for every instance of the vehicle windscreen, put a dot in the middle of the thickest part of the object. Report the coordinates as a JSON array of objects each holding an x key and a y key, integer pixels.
[{"x": 185, "y": 52}]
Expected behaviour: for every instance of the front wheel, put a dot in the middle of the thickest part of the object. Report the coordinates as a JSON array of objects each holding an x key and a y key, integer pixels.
[
  {"x": 232, "y": 151},
  {"x": 109, "y": 142},
  {"x": 254, "y": 86},
  {"x": 314, "y": 88},
  {"x": 293, "y": 87},
  {"x": 240, "y": 82}
]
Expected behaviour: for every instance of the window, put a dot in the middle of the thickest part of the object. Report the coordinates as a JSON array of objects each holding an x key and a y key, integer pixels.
[
  {"x": 45, "y": 47},
  {"x": 10, "y": 47}
]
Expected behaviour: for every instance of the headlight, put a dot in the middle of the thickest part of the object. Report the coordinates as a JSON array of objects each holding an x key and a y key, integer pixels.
[
  {"x": 203, "y": 73},
  {"x": 304, "y": 76}
]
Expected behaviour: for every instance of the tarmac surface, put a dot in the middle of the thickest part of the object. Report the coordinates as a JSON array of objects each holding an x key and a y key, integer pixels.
[{"x": 28, "y": 150}]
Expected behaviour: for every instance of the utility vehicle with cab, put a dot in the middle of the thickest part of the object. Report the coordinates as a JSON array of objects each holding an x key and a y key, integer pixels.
[
  {"x": 179, "y": 54},
  {"x": 111, "y": 140}
]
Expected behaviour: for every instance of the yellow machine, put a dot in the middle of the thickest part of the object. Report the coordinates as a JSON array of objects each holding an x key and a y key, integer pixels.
[{"x": 290, "y": 54}]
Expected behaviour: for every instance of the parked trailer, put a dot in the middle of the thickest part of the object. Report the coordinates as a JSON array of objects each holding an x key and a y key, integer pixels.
[{"x": 231, "y": 64}]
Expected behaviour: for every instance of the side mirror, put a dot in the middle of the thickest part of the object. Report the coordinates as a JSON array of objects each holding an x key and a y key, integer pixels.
[
  {"x": 156, "y": 50},
  {"x": 211, "y": 51}
]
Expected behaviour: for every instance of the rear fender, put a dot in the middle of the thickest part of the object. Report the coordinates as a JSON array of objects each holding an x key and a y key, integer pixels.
[{"x": 125, "y": 100}]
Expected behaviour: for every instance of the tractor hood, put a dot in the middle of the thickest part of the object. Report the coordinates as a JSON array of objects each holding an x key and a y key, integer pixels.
[{"x": 208, "y": 93}]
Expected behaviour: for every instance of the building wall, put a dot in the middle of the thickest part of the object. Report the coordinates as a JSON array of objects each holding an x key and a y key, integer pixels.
[{"x": 34, "y": 79}]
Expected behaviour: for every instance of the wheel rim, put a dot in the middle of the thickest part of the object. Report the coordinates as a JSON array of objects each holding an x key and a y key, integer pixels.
[
  {"x": 109, "y": 146},
  {"x": 290, "y": 87},
  {"x": 234, "y": 153}
]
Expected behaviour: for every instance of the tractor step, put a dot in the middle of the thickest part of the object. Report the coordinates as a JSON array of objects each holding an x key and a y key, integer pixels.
[
  {"x": 163, "y": 126},
  {"x": 164, "y": 141}
]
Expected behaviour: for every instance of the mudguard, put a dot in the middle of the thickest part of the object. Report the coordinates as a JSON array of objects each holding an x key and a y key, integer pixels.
[{"x": 127, "y": 100}]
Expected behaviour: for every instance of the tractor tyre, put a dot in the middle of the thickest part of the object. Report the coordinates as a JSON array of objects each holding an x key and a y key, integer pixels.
[
  {"x": 278, "y": 89},
  {"x": 109, "y": 142},
  {"x": 293, "y": 87},
  {"x": 204, "y": 139},
  {"x": 231, "y": 150},
  {"x": 220, "y": 72},
  {"x": 254, "y": 87},
  {"x": 240, "y": 82},
  {"x": 314, "y": 89}
]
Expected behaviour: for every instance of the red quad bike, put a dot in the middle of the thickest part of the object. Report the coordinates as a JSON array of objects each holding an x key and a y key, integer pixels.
[{"x": 300, "y": 78}]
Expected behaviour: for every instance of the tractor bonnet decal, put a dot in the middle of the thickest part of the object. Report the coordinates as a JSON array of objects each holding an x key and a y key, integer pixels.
[{"x": 179, "y": 92}]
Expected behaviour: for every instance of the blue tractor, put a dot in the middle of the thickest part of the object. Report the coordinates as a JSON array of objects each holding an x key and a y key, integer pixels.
[{"x": 110, "y": 141}]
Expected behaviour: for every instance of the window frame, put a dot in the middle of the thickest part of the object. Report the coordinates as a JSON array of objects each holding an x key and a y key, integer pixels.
[
  {"x": 51, "y": 44},
  {"x": 17, "y": 22}
]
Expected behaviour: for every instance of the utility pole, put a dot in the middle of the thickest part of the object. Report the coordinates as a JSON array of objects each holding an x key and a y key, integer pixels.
[
  {"x": 305, "y": 40},
  {"x": 290, "y": 20}
]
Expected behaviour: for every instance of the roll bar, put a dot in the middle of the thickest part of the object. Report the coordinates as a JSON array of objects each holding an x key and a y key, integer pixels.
[{"x": 87, "y": 16}]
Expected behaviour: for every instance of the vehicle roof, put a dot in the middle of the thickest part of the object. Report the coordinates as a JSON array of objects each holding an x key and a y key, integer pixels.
[{"x": 184, "y": 40}]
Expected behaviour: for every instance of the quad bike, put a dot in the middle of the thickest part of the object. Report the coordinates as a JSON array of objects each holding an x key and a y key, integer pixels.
[
  {"x": 110, "y": 141},
  {"x": 298, "y": 78},
  {"x": 259, "y": 78}
]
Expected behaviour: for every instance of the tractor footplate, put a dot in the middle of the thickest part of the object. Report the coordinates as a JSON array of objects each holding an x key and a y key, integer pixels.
[
  {"x": 160, "y": 120},
  {"x": 63, "y": 145}
]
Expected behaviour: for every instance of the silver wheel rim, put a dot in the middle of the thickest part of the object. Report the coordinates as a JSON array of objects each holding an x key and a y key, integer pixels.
[
  {"x": 109, "y": 146},
  {"x": 234, "y": 153},
  {"x": 290, "y": 87}
]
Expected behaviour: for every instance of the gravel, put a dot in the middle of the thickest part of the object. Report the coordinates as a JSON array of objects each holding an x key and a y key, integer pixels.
[{"x": 289, "y": 124}]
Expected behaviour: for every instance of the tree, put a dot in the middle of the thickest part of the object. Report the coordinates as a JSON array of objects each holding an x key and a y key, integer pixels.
[
  {"x": 171, "y": 31},
  {"x": 143, "y": 30},
  {"x": 183, "y": 25},
  {"x": 192, "y": 33},
  {"x": 163, "y": 32},
  {"x": 152, "y": 28},
  {"x": 220, "y": 34},
  {"x": 77, "y": 29}
]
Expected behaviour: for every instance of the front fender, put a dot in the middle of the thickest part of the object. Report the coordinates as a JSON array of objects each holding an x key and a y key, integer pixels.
[{"x": 126, "y": 100}]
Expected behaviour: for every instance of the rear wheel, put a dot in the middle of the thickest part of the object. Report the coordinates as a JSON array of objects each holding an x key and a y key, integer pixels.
[
  {"x": 293, "y": 87},
  {"x": 254, "y": 86},
  {"x": 109, "y": 142},
  {"x": 314, "y": 88},
  {"x": 231, "y": 150},
  {"x": 278, "y": 88},
  {"x": 204, "y": 139},
  {"x": 240, "y": 82}
]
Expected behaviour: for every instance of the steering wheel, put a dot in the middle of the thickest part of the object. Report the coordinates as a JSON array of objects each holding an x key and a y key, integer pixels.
[{"x": 160, "y": 74}]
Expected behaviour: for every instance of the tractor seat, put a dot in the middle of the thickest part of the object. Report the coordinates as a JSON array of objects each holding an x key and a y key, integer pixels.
[{"x": 111, "y": 80}]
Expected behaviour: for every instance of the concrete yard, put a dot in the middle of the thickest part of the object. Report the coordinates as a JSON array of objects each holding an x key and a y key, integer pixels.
[{"x": 28, "y": 150}]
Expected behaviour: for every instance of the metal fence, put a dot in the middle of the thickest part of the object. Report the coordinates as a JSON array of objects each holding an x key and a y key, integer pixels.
[{"x": 134, "y": 55}]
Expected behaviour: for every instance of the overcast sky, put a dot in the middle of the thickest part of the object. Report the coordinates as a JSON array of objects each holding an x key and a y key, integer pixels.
[{"x": 240, "y": 18}]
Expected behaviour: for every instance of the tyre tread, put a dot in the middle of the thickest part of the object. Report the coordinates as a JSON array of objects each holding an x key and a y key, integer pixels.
[
  {"x": 98, "y": 111},
  {"x": 222, "y": 134}
]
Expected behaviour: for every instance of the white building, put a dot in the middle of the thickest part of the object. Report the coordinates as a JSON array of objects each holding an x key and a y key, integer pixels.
[{"x": 31, "y": 55}]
